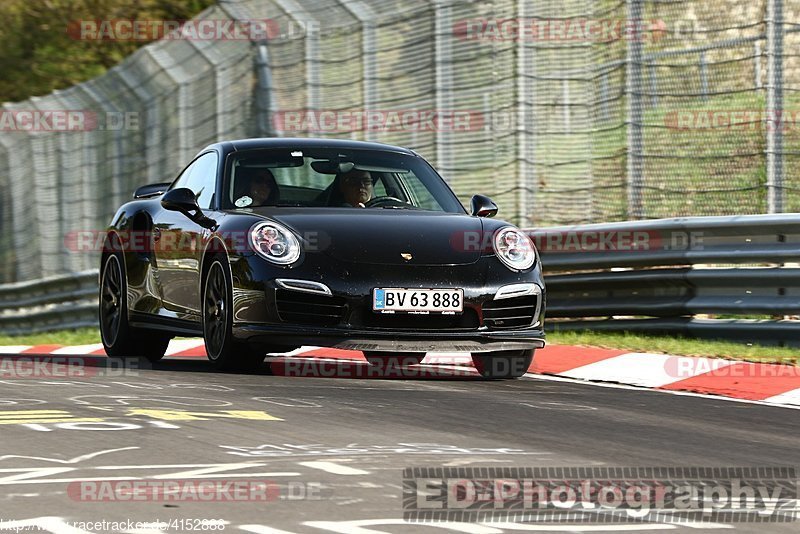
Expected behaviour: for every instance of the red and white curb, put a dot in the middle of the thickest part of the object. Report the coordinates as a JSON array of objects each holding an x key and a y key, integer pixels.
[{"x": 759, "y": 382}]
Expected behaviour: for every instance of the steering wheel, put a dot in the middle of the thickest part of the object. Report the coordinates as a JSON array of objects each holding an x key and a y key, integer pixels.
[{"x": 378, "y": 201}]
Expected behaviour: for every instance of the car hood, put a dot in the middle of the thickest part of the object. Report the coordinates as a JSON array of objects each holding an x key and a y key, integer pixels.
[{"x": 384, "y": 237}]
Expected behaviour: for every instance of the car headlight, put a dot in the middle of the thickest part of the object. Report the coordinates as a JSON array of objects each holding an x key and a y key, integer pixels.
[
  {"x": 514, "y": 248},
  {"x": 275, "y": 243}
]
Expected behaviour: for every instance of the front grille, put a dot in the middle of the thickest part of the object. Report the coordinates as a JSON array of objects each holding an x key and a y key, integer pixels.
[
  {"x": 510, "y": 313},
  {"x": 308, "y": 308},
  {"x": 468, "y": 320}
]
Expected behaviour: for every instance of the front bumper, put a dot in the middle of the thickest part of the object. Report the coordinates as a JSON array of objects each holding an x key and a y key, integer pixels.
[
  {"x": 390, "y": 340},
  {"x": 258, "y": 319}
]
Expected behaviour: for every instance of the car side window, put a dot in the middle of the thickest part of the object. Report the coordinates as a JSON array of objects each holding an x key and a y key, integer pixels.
[{"x": 201, "y": 178}]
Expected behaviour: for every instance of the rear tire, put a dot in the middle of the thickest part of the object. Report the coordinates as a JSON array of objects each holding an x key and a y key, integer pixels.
[
  {"x": 503, "y": 364},
  {"x": 120, "y": 340},
  {"x": 386, "y": 359},
  {"x": 222, "y": 349}
]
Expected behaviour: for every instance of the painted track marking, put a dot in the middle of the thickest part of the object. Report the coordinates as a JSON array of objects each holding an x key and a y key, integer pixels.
[{"x": 336, "y": 469}]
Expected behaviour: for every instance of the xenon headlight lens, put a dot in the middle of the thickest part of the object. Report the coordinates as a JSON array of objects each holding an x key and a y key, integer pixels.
[
  {"x": 275, "y": 243},
  {"x": 514, "y": 248}
]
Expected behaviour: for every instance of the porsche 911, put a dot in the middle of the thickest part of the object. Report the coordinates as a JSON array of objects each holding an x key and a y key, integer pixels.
[{"x": 261, "y": 246}]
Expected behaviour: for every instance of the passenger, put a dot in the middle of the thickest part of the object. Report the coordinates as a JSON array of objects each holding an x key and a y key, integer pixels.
[{"x": 260, "y": 189}]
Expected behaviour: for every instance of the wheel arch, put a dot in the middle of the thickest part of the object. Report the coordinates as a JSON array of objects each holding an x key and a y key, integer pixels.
[
  {"x": 215, "y": 247},
  {"x": 111, "y": 244}
]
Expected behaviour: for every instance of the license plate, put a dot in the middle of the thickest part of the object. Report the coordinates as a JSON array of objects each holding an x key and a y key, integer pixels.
[{"x": 390, "y": 300}]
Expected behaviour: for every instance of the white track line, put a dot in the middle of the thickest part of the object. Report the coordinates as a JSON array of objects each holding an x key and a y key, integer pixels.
[
  {"x": 180, "y": 345},
  {"x": 79, "y": 349},
  {"x": 358, "y": 527},
  {"x": 644, "y": 369},
  {"x": 336, "y": 469},
  {"x": 447, "y": 357},
  {"x": 262, "y": 529},
  {"x": 578, "y": 527},
  {"x": 789, "y": 397},
  {"x": 14, "y": 349},
  {"x": 551, "y": 378}
]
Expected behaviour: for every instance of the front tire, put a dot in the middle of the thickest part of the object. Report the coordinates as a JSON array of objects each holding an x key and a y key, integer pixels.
[
  {"x": 120, "y": 340},
  {"x": 217, "y": 307},
  {"x": 503, "y": 364}
]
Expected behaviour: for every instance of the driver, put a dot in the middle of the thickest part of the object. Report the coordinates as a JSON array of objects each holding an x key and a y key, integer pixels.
[{"x": 356, "y": 187}]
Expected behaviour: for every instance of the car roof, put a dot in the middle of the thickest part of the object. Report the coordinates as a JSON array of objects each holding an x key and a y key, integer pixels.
[{"x": 308, "y": 142}]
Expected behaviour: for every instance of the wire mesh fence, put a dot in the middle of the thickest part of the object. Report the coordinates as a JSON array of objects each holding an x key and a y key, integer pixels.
[{"x": 563, "y": 111}]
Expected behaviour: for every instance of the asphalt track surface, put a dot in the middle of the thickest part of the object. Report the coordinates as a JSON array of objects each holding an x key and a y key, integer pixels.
[{"x": 343, "y": 442}]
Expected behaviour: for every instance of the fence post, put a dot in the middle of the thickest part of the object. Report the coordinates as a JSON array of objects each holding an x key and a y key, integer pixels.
[
  {"x": 264, "y": 101},
  {"x": 443, "y": 62},
  {"x": 369, "y": 50},
  {"x": 774, "y": 123},
  {"x": 704, "y": 76},
  {"x": 298, "y": 12},
  {"x": 633, "y": 93},
  {"x": 757, "y": 65},
  {"x": 653, "y": 86},
  {"x": 525, "y": 124}
]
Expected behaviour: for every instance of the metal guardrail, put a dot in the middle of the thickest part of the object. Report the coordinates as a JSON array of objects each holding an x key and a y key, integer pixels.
[
  {"x": 666, "y": 276},
  {"x": 657, "y": 276},
  {"x": 54, "y": 303}
]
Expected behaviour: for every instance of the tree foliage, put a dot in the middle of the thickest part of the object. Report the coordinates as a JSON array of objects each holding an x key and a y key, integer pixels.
[{"x": 38, "y": 55}]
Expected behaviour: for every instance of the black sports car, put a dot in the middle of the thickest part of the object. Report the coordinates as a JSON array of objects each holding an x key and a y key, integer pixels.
[{"x": 265, "y": 245}]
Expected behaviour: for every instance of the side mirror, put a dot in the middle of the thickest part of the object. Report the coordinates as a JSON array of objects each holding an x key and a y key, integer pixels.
[
  {"x": 183, "y": 200},
  {"x": 483, "y": 206},
  {"x": 151, "y": 190}
]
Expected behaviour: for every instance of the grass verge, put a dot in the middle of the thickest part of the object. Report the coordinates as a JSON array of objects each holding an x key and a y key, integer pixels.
[
  {"x": 83, "y": 336},
  {"x": 678, "y": 346}
]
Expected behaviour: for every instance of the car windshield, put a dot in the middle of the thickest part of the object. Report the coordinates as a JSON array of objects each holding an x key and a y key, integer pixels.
[{"x": 325, "y": 177}]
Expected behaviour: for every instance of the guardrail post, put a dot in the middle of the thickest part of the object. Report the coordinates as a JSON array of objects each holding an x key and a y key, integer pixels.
[
  {"x": 774, "y": 122},
  {"x": 633, "y": 93}
]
